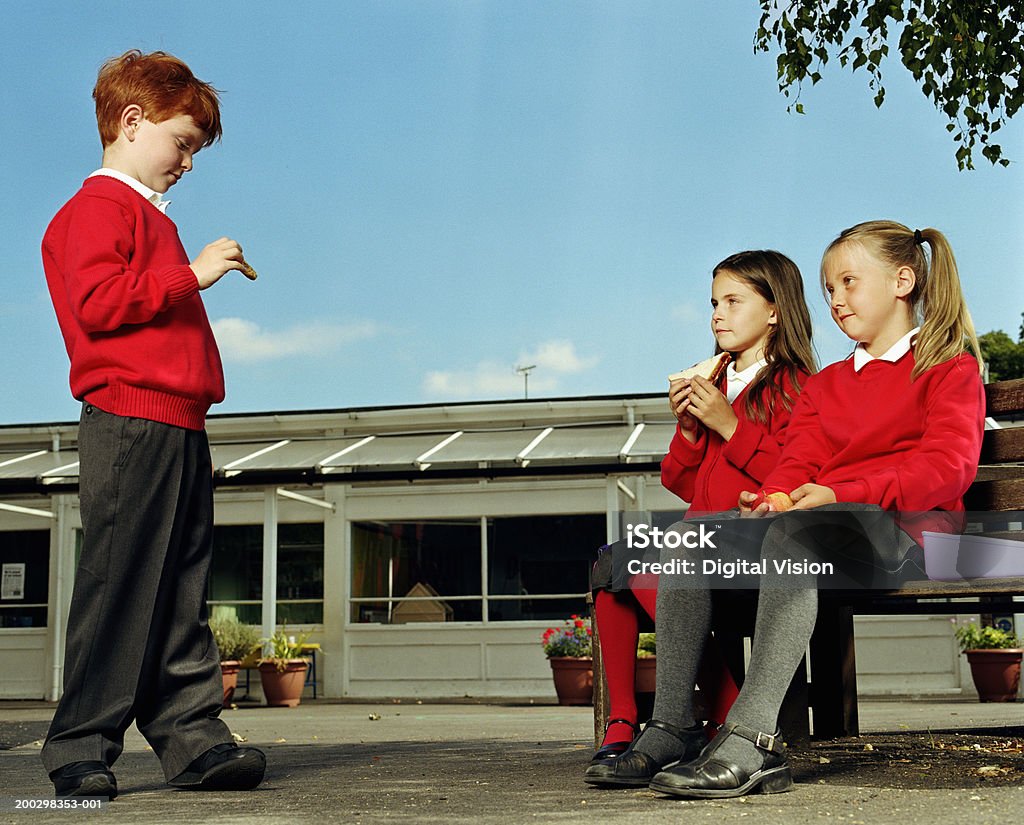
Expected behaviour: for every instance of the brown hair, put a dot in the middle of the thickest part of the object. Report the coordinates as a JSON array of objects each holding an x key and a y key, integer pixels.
[
  {"x": 787, "y": 350},
  {"x": 162, "y": 85},
  {"x": 937, "y": 300}
]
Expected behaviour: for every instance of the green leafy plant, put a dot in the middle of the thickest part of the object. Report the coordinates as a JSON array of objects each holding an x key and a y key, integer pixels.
[
  {"x": 972, "y": 637},
  {"x": 282, "y": 648},
  {"x": 572, "y": 639},
  {"x": 234, "y": 640},
  {"x": 964, "y": 56},
  {"x": 646, "y": 646}
]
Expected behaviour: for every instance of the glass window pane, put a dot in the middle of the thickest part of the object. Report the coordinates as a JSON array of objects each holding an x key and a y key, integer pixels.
[
  {"x": 423, "y": 558},
  {"x": 27, "y": 556},
  {"x": 237, "y": 570},
  {"x": 300, "y": 573},
  {"x": 534, "y": 555}
]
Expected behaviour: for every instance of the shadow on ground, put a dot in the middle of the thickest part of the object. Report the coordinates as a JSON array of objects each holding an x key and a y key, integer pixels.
[{"x": 505, "y": 782}]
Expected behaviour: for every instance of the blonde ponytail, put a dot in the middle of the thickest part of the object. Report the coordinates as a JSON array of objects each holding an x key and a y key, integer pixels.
[{"x": 946, "y": 326}]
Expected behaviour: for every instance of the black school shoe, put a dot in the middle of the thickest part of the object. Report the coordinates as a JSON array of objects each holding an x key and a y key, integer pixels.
[
  {"x": 614, "y": 750},
  {"x": 634, "y": 769},
  {"x": 711, "y": 777},
  {"x": 224, "y": 767},
  {"x": 84, "y": 779}
]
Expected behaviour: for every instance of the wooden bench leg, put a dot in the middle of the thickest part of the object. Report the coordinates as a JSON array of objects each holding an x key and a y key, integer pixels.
[
  {"x": 600, "y": 685},
  {"x": 834, "y": 673}
]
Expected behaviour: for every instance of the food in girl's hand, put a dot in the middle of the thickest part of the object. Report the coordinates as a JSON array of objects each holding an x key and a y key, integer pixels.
[
  {"x": 777, "y": 502},
  {"x": 248, "y": 271},
  {"x": 712, "y": 369}
]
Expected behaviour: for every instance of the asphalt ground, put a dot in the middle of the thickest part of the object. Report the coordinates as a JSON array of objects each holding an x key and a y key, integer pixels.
[{"x": 931, "y": 762}]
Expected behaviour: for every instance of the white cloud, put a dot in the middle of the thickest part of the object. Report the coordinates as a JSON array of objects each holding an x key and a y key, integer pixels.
[
  {"x": 558, "y": 356},
  {"x": 689, "y": 313},
  {"x": 551, "y": 359},
  {"x": 243, "y": 340}
]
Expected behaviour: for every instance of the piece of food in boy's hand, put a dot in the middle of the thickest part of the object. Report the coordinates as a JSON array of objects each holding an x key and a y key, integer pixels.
[
  {"x": 777, "y": 502},
  {"x": 711, "y": 368},
  {"x": 248, "y": 271}
]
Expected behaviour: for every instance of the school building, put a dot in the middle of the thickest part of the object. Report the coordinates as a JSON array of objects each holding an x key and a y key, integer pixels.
[{"x": 425, "y": 548}]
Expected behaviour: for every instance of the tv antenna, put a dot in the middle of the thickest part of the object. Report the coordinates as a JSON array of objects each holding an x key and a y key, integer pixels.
[{"x": 525, "y": 372}]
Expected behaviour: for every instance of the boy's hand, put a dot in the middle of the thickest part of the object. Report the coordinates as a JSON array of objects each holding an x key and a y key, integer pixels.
[
  {"x": 710, "y": 406},
  {"x": 679, "y": 403},
  {"x": 807, "y": 496},
  {"x": 215, "y": 260}
]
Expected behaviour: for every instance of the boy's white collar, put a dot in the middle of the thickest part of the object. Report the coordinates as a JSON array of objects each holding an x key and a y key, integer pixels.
[
  {"x": 861, "y": 357},
  {"x": 151, "y": 195}
]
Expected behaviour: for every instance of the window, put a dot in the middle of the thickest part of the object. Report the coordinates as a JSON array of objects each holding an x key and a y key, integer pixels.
[
  {"x": 541, "y": 556},
  {"x": 25, "y": 577},
  {"x": 536, "y": 567},
  {"x": 236, "y": 575},
  {"x": 411, "y": 570},
  {"x": 300, "y": 573}
]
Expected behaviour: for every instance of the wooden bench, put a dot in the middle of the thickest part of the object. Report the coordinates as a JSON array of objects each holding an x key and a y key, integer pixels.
[{"x": 831, "y": 693}]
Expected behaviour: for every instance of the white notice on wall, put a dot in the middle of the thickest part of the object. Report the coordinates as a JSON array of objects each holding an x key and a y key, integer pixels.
[{"x": 12, "y": 582}]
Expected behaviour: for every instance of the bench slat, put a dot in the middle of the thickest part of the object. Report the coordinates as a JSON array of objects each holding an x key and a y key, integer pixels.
[
  {"x": 997, "y": 494},
  {"x": 929, "y": 589},
  {"x": 1000, "y": 446},
  {"x": 1005, "y": 397}
]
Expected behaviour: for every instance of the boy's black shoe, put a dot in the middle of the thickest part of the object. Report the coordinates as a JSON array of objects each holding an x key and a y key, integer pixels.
[
  {"x": 84, "y": 779},
  {"x": 224, "y": 767}
]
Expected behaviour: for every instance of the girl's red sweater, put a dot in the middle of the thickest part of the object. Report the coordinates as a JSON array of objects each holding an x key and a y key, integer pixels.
[
  {"x": 875, "y": 437},
  {"x": 711, "y": 473},
  {"x": 128, "y": 306}
]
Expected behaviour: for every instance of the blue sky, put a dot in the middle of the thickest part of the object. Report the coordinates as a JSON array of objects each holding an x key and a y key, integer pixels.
[{"x": 435, "y": 192}]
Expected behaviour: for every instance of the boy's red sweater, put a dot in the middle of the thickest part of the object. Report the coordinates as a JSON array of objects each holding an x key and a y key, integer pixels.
[
  {"x": 128, "y": 305},
  {"x": 875, "y": 437},
  {"x": 711, "y": 473}
]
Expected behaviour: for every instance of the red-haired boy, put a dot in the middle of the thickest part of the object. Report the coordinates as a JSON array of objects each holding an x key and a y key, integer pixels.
[{"x": 145, "y": 365}]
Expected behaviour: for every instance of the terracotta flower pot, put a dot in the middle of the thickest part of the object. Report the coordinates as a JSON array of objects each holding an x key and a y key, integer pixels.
[
  {"x": 229, "y": 676},
  {"x": 574, "y": 679},
  {"x": 645, "y": 670},
  {"x": 283, "y": 688},
  {"x": 996, "y": 673}
]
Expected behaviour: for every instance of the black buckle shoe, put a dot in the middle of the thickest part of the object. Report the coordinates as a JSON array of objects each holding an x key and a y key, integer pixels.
[
  {"x": 634, "y": 769},
  {"x": 224, "y": 767},
  {"x": 712, "y": 777},
  {"x": 615, "y": 749},
  {"x": 84, "y": 779}
]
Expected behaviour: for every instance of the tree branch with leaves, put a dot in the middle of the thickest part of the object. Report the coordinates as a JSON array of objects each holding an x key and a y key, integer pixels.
[{"x": 966, "y": 56}]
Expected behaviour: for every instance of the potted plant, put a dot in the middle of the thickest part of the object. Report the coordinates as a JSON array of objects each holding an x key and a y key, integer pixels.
[
  {"x": 569, "y": 650},
  {"x": 995, "y": 657},
  {"x": 283, "y": 669},
  {"x": 234, "y": 641}
]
